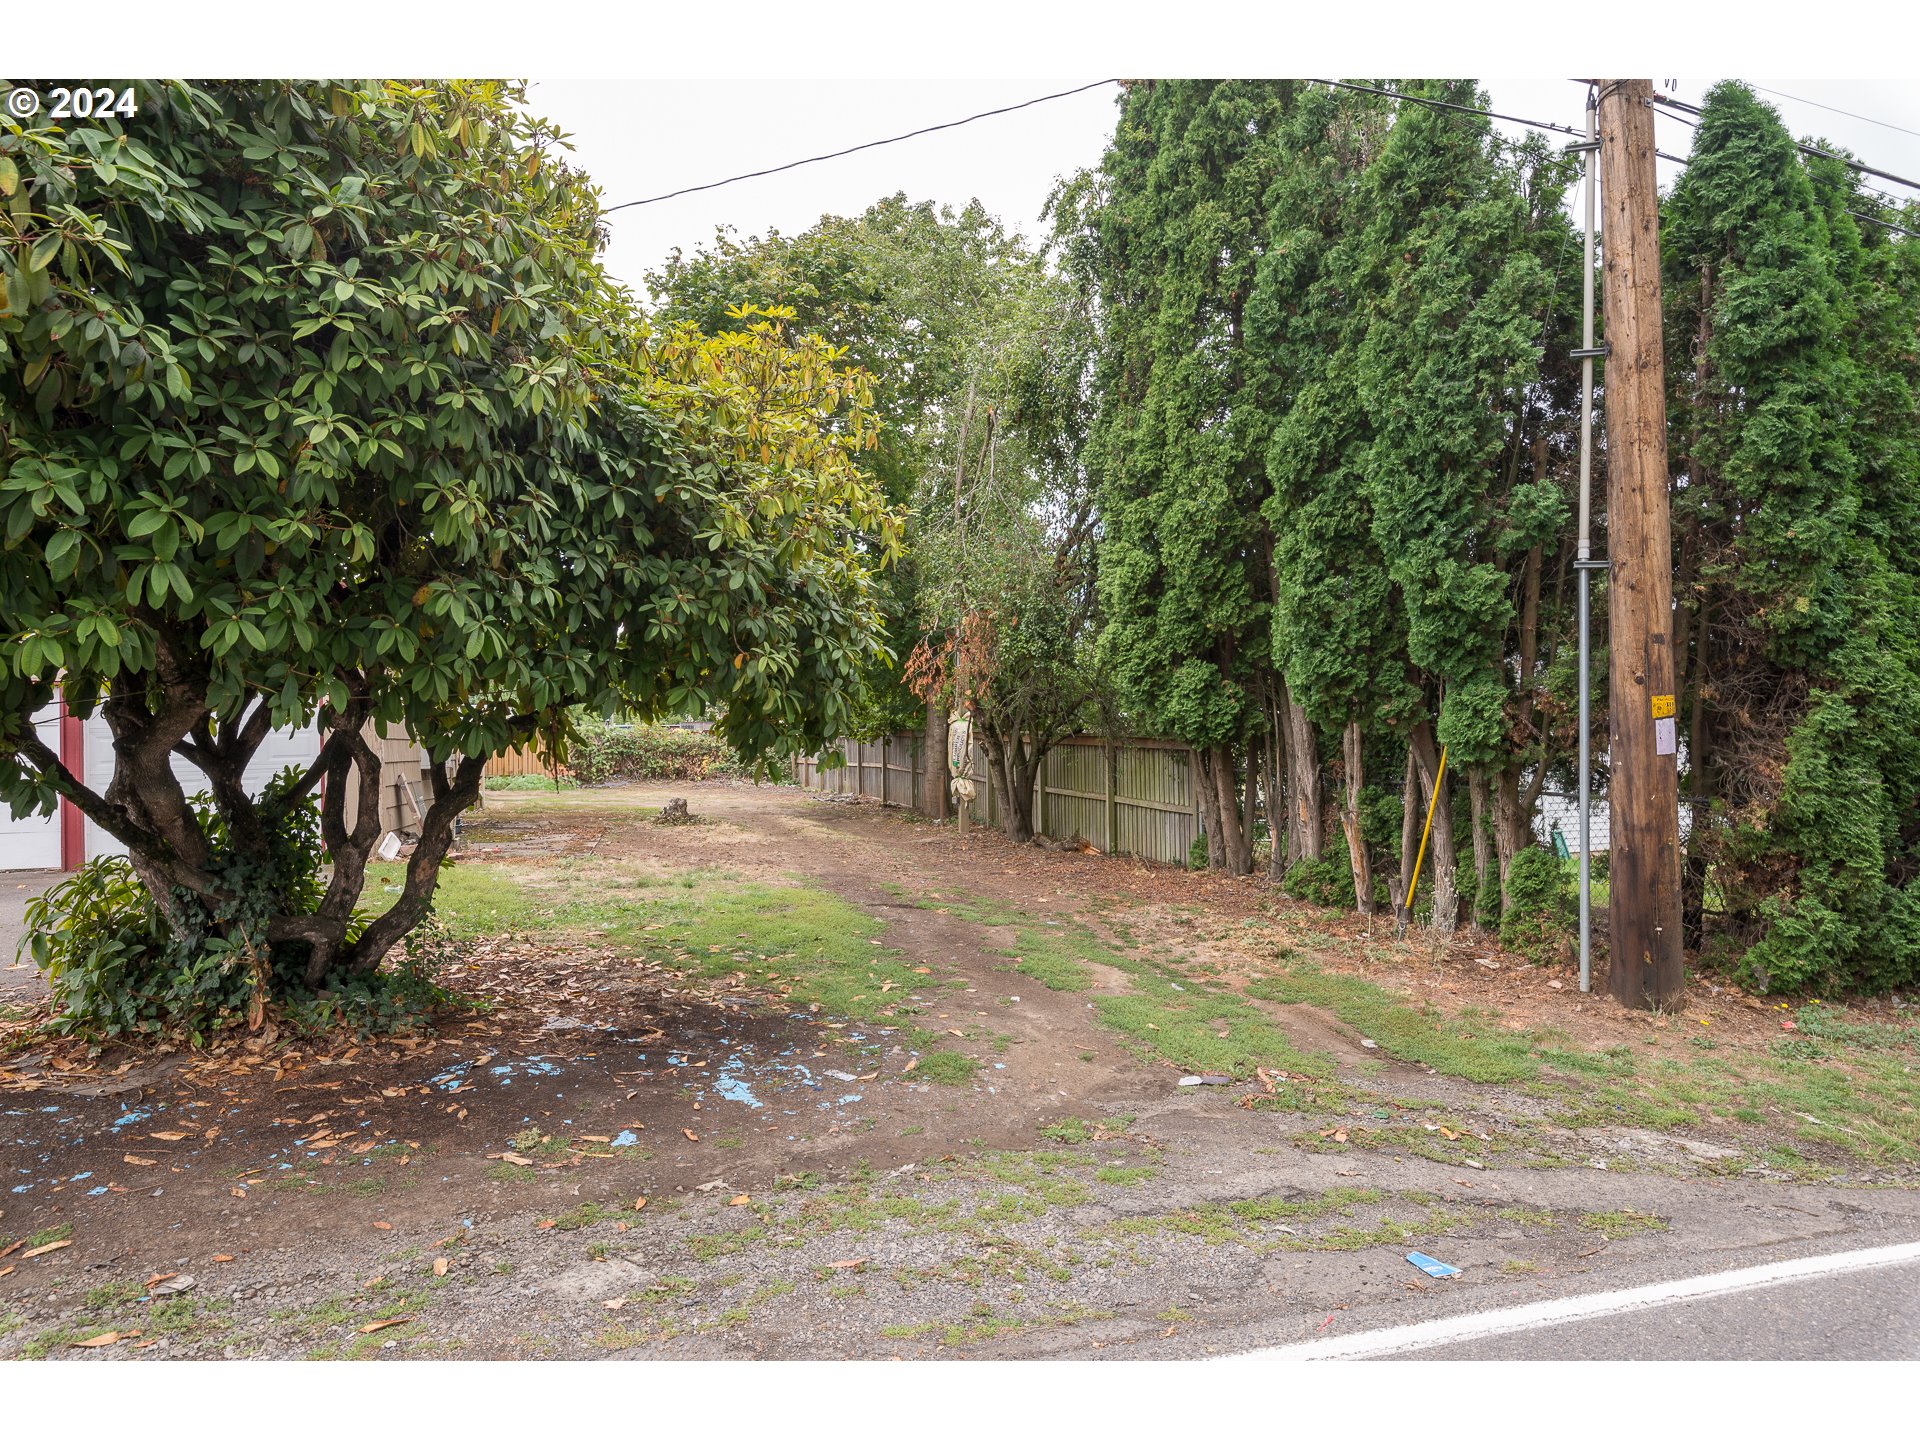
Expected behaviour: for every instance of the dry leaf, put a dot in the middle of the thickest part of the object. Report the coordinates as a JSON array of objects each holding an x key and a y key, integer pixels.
[
  {"x": 614, "y": 1304},
  {"x": 690, "y": 1135},
  {"x": 641, "y": 1203},
  {"x": 373, "y": 1325},
  {"x": 44, "y": 1249},
  {"x": 138, "y": 1160},
  {"x": 506, "y": 1155},
  {"x": 158, "y": 1276},
  {"x": 11, "y": 1248},
  {"x": 845, "y": 1264},
  {"x": 738, "y": 1200},
  {"x": 112, "y": 1337},
  {"x": 544, "y": 1225},
  {"x": 381, "y": 1225},
  {"x": 167, "y": 1135},
  {"x": 440, "y": 1265},
  {"x": 911, "y": 1065},
  {"x": 223, "y": 1258}
]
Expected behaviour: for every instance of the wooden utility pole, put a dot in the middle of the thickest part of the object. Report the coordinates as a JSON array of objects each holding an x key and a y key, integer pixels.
[{"x": 1644, "y": 793}]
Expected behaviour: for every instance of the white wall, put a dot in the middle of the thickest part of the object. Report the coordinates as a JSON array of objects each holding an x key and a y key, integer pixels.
[{"x": 32, "y": 842}]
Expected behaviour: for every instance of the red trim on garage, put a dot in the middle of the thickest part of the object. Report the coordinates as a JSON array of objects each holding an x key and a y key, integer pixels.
[{"x": 73, "y": 829}]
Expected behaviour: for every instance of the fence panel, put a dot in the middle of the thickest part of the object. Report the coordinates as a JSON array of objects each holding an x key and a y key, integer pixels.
[
  {"x": 517, "y": 762},
  {"x": 1131, "y": 797}
]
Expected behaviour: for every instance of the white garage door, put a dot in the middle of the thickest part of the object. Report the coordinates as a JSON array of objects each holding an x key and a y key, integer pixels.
[
  {"x": 280, "y": 749},
  {"x": 32, "y": 842}
]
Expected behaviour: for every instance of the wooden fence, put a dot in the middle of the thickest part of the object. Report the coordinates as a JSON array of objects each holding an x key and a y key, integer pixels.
[
  {"x": 1127, "y": 797},
  {"x": 517, "y": 762}
]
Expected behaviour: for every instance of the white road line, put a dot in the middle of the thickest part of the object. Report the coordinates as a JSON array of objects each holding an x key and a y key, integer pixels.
[{"x": 1482, "y": 1324}]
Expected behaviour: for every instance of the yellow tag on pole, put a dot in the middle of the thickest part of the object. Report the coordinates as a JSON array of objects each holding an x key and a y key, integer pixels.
[{"x": 1662, "y": 706}]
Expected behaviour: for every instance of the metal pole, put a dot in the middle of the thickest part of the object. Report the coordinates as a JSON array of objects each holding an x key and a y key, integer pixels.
[{"x": 1583, "y": 562}]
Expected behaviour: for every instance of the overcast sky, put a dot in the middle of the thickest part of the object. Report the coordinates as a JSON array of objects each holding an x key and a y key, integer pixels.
[{"x": 639, "y": 138}]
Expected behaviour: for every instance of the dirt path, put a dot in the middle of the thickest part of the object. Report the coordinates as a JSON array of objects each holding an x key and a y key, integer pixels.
[{"x": 807, "y": 1193}]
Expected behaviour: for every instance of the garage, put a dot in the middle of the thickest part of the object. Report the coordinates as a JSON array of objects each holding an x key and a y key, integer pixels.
[{"x": 32, "y": 842}]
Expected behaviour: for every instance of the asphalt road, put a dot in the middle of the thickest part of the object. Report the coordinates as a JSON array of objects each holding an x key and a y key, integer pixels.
[
  {"x": 1861, "y": 1304},
  {"x": 1868, "y": 1315}
]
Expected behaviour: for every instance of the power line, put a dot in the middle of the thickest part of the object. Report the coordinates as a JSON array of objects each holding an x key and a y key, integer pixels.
[
  {"x": 1449, "y": 105},
  {"x": 1853, "y": 165},
  {"x": 855, "y": 149},
  {"x": 1869, "y": 219},
  {"x": 1852, "y": 115}
]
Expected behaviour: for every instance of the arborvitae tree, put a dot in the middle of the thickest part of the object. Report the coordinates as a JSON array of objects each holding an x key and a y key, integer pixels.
[
  {"x": 1790, "y": 353},
  {"x": 1179, "y": 448},
  {"x": 1457, "y": 260}
]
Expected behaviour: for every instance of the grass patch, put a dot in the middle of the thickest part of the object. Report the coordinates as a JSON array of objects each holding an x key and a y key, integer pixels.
[
  {"x": 1054, "y": 954},
  {"x": 1619, "y": 1224},
  {"x": 1469, "y": 1050},
  {"x": 811, "y": 948}
]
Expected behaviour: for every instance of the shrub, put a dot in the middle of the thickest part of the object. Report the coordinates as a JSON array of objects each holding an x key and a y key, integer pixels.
[
  {"x": 1327, "y": 881},
  {"x": 117, "y": 968},
  {"x": 604, "y": 752},
  {"x": 1539, "y": 914},
  {"x": 530, "y": 782}
]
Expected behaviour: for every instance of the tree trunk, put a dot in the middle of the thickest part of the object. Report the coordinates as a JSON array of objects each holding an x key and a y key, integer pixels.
[
  {"x": 1010, "y": 772},
  {"x": 1485, "y": 870},
  {"x": 1441, "y": 861},
  {"x": 1350, "y": 819},
  {"x": 1306, "y": 801},
  {"x": 1512, "y": 823},
  {"x": 1279, "y": 823},
  {"x": 450, "y": 797},
  {"x": 1227, "y": 845},
  {"x": 1409, "y": 836}
]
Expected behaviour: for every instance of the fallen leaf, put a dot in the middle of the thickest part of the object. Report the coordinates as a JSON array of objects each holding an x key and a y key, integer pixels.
[
  {"x": 11, "y": 1248},
  {"x": 599, "y": 1139},
  {"x": 47, "y": 1248},
  {"x": 690, "y": 1135},
  {"x": 614, "y": 1304},
  {"x": 506, "y": 1155},
  {"x": 911, "y": 1065},
  {"x": 373, "y": 1325},
  {"x": 138, "y": 1160},
  {"x": 222, "y": 1258},
  {"x": 544, "y": 1225},
  {"x": 237, "y": 1192},
  {"x": 961, "y": 1033},
  {"x": 440, "y": 1265},
  {"x": 739, "y": 1200},
  {"x": 112, "y": 1337},
  {"x": 381, "y": 1225},
  {"x": 846, "y": 1264},
  {"x": 640, "y": 1203},
  {"x": 167, "y": 1135}
]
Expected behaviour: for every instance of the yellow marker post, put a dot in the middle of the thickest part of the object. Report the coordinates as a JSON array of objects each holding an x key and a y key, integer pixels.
[{"x": 1426, "y": 830}]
